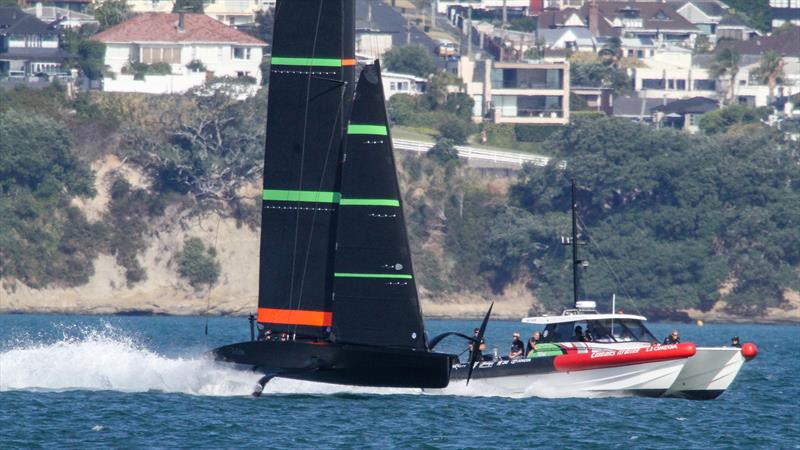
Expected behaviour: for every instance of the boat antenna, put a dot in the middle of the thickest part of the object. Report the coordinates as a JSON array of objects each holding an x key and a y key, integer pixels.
[{"x": 575, "y": 260}]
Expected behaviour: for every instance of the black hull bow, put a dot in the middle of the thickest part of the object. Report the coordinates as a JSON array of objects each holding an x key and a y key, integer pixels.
[{"x": 354, "y": 365}]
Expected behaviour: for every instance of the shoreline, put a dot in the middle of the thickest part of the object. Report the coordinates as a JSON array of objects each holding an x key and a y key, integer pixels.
[{"x": 145, "y": 313}]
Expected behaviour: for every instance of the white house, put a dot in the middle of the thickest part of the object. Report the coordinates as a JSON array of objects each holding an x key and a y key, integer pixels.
[
  {"x": 194, "y": 46},
  {"x": 402, "y": 83}
]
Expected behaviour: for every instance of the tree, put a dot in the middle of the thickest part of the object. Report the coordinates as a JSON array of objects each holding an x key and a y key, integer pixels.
[
  {"x": 455, "y": 129},
  {"x": 443, "y": 152},
  {"x": 726, "y": 65},
  {"x": 770, "y": 71},
  {"x": 722, "y": 120},
  {"x": 111, "y": 12},
  {"x": 611, "y": 53},
  {"x": 188, "y": 6},
  {"x": 198, "y": 264},
  {"x": 701, "y": 44},
  {"x": 756, "y": 12},
  {"x": 413, "y": 59}
]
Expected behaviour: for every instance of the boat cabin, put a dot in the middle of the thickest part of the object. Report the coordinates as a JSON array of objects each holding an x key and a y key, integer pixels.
[{"x": 594, "y": 327}]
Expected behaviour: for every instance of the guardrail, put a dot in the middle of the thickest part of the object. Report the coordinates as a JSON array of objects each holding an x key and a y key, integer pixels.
[{"x": 514, "y": 158}]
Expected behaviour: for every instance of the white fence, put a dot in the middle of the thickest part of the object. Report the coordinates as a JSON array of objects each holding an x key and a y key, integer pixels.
[{"x": 502, "y": 157}]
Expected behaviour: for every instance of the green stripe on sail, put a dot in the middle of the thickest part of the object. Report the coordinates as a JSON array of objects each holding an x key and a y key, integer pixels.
[
  {"x": 369, "y": 202},
  {"x": 373, "y": 275},
  {"x": 377, "y": 130},
  {"x": 319, "y": 62},
  {"x": 301, "y": 196}
]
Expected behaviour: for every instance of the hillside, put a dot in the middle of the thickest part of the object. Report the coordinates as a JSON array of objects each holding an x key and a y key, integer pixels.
[{"x": 102, "y": 196}]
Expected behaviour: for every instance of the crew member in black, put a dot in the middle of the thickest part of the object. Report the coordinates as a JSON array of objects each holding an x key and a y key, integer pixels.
[
  {"x": 673, "y": 338},
  {"x": 579, "y": 334},
  {"x": 517, "y": 347},
  {"x": 532, "y": 343},
  {"x": 735, "y": 341},
  {"x": 481, "y": 347}
]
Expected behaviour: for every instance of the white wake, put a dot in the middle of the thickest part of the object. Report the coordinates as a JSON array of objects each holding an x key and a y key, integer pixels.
[{"x": 103, "y": 360}]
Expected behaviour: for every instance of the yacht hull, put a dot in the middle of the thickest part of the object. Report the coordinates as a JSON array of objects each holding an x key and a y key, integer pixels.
[
  {"x": 708, "y": 373},
  {"x": 354, "y": 365},
  {"x": 539, "y": 377}
]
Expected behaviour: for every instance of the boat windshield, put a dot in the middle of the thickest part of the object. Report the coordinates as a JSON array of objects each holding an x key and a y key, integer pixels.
[{"x": 604, "y": 330}]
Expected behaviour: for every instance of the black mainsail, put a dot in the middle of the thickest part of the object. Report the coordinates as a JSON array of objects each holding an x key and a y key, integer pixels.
[
  {"x": 375, "y": 297},
  {"x": 310, "y": 93},
  {"x": 336, "y": 282}
]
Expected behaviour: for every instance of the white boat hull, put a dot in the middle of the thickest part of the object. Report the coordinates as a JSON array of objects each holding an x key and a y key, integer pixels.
[
  {"x": 708, "y": 373},
  {"x": 651, "y": 379}
]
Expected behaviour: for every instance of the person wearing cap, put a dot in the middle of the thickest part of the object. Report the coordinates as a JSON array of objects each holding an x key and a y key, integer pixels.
[
  {"x": 517, "y": 347},
  {"x": 735, "y": 342},
  {"x": 673, "y": 338}
]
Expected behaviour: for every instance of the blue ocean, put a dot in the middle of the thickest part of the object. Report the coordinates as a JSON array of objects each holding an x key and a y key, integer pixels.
[{"x": 144, "y": 382}]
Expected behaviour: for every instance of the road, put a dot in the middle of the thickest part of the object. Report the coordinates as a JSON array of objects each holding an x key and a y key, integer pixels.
[{"x": 481, "y": 157}]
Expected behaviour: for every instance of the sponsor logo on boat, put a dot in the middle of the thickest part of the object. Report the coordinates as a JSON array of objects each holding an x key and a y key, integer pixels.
[{"x": 658, "y": 348}]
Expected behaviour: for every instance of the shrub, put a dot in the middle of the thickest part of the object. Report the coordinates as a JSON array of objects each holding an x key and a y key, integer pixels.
[
  {"x": 534, "y": 133},
  {"x": 454, "y": 129},
  {"x": 444, "y": 151},
  {"x": 198, "y": 264}
]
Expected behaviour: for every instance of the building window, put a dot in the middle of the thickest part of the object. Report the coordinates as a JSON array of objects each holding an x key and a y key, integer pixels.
[
  {"x": 151, "y": 55},
  {"x": 705, "y": 85},
  {"x": 241, "y": 52},
  {"x": 392, "y": 86},
  {"x": 648, "y": 83},
  {"x": 680, "y": 85},
  {"x": 671, "y": 84}
]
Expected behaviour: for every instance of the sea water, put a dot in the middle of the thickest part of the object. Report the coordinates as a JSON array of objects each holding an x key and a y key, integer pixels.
[{"x": 100, "y": 382}]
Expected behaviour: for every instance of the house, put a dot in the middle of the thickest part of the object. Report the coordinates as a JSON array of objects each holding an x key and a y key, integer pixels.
[
  {"x": 733, "y": 27},
  {"x": 61, "y": 17},
  {"x": 80, "y": 6},
  {"x": 517, "y": 92},
  {"x": 683, "y": 114},
  {"x": 401, "y": 83},
  {"x": 193, "y": 47},
  {"x": 575, "y": 39},
  {"x": 785, "y": 11},
  {"x": 703, "y": 14},
  {"x": 229, "y": 12},
  {"x": 674, "y": 73},
  {"x": 750, "y": 87},
  {"x": 28, "y": 46}
]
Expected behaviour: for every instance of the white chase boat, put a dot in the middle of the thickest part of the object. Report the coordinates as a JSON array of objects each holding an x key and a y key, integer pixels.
[{"x": 614, "y": 354}]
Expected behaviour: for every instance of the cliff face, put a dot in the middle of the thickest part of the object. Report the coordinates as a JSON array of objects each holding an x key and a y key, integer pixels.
[{"x": 165, "y": 292}]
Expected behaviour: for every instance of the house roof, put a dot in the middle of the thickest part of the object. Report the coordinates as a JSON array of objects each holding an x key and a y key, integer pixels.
[
  {"x": 694, "y": 105},
  {"x": 783, "y": 42},
  {"x": 582, "y": 35},
  {"x": 632, "y": 106},
  {"x": 655, "y": 15},
  {"x": 14, "y": 21},
  {"x": 731, "y": 20},
  {"x": 161, "y": 27},
  {"x": 709, "y": 8}
]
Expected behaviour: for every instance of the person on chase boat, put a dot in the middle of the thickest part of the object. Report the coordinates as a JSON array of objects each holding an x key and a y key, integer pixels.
[
  {"x": 673, "y": 338},
  {"x": 517, "y": 347},
  {"x": 481, "y": 347}
]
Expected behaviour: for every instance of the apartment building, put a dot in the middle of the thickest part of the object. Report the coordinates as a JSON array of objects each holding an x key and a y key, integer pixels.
[{"x": 517, "y": 92}]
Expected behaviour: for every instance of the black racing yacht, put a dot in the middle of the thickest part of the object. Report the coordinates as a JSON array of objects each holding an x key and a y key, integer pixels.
[{"x": 337, "y": 300}]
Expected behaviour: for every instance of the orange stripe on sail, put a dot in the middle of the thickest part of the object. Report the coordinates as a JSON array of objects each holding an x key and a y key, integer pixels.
[
  {"x": 295, "y": 317},
  {"x": 348, "y": 62}
]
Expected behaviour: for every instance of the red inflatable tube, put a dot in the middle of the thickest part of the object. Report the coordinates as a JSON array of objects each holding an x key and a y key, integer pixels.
[{"x": 598, "y": 359}]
